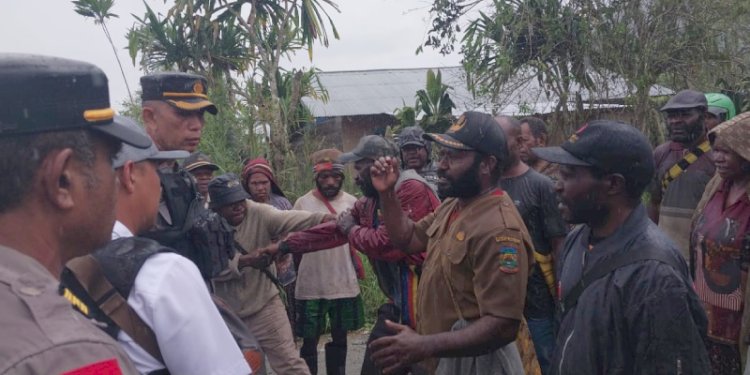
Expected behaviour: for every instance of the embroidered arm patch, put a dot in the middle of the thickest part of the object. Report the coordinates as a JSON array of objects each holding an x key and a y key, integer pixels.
[{"x": 508, "y": 257}]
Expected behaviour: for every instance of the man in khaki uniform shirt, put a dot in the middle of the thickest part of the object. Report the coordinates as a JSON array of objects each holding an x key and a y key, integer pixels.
[
  {"x": 57, "y": 141},
  {"x": 478, "y": 252},
  {"x": 248, "y": 288}
]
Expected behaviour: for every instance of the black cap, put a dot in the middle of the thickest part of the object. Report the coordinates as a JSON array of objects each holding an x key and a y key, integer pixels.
[
  {"x": 185, "y": 91},
  {"x": 612, "y": 146},
  {"x": 686, "y": 99},
  {"x": 411, "y": 135},
  {"x": 226, "y": 189},
  {"x": 474, "y": 131},
  {"x": 198, "y": 160},
  {"x": 42, "y": 94},
  {"x": 370, "y": 147}
]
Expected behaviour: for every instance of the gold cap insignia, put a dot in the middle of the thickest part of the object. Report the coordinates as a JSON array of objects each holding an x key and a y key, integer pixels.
[
  {"x": 460, "y": 236},
  {"x": 198, "y": 87},
  {"x": 458, "y": 124},
  {"x": 574, "y": 138}
]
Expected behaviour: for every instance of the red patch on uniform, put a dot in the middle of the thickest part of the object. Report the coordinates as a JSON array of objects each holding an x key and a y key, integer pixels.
[{"x": 108, "y": 367}]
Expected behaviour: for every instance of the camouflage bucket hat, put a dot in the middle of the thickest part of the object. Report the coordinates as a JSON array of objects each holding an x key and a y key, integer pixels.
[{"x": 735, "y": 133}]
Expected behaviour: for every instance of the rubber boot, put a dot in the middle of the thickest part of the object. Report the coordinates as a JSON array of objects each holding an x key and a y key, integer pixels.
[{"x": 335, "y": 359}]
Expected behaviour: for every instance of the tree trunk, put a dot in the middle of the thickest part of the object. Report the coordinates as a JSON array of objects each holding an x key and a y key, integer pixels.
[{"x": 279, "y": 134}]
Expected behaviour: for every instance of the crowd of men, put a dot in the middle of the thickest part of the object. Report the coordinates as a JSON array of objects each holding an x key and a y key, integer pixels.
[{"x": 123, "y": 252}]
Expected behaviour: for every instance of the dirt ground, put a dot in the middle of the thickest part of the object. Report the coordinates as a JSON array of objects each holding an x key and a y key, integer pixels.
[{"x": 356, "y": 352}]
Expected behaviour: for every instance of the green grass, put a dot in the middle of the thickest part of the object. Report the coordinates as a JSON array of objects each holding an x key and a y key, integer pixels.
[{"x": 372, "y": 296}]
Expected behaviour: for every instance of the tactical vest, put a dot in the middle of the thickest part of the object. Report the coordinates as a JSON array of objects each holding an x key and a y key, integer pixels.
[{"x": 193, "y": 231}]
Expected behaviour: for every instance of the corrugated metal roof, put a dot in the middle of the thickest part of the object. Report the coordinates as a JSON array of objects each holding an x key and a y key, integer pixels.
[{"x": 366, "y": 92}]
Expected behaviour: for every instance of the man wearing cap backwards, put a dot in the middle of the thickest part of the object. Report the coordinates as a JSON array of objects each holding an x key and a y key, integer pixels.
[
  {"x": 416, "y": 154},
  {"x": 720, "y": 109},
  {"x": 190, "y": 333},
  {"x": 397, "y": 272},
  {"x": 683, "y": 167},
  {"x": 57, "y": 141},
  {"x": 471, "y": 294},
  {"x": 327, "y": 280},
  {"x": 627, "y": 304},
  {"x": 249, "y": 289},
  {"x": 534, "y": 196},
  {"x": 200, "y": 166}
]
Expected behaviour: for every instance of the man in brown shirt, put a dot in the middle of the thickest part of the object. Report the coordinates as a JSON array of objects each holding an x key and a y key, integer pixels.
[
  {"x": 478, "y": 252},
  {"x": 57, "y": 141}
]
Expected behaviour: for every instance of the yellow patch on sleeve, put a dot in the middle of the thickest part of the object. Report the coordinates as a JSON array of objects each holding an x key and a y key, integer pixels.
[{"x": 507, "y": 239}]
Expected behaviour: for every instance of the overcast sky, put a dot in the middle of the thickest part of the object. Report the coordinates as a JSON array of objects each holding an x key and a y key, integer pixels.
[{"x": 375, "y": 34}]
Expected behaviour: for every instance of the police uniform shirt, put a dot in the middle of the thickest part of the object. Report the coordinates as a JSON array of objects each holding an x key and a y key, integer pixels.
[
  {"x": 41, "y": 333},
  {"x": 480, "y": 256}
]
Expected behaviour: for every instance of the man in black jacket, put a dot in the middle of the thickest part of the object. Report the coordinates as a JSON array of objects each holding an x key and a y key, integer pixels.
[{"x": 625, "y": 295}]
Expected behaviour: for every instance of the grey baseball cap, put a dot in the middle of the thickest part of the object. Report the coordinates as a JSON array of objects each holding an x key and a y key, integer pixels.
[
  {"x": 370, "y": 147},
  {"x": 686, "y": 99},
  {"x": 130, "y": 153}
]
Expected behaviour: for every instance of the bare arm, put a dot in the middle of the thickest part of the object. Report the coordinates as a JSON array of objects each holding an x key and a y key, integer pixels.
[{"x": 400, "y": 228}]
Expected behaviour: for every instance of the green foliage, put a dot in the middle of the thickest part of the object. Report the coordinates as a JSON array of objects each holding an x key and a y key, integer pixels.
[
  {"x": 432, "y": 102},
  {"x": 242, "y": 43},
  {"x": 99, "y": 10},
  {"x": 406, "y": 116},
  {"x": 435, "y": 103},
  {"x": 680, "y": 43},
  {"x": 372, "y": 296}
]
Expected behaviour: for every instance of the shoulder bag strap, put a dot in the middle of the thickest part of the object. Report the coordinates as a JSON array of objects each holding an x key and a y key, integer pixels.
[
  {"x": 608, "y": 266},
  {"x": 682, "y": 165},
  {"x": 89, "y": 274}
]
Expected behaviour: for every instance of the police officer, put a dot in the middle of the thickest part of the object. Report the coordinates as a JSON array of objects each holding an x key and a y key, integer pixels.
[
  {"x": 471, "y": 294},
  {"x": 173, "y": 109},
  {"x": 57, "y": 141}
]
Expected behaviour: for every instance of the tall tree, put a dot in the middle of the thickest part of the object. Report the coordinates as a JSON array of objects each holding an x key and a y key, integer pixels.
[
  {"x": 244, "y": 41},
  {"x": 99, "y": 10},
  {"x": 582, "y": 42}
]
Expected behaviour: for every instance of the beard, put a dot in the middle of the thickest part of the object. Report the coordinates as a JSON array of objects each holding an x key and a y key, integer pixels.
[
  {"x": 329, "y": 192},
  {"x": 693, "y": 131},
  {"x": 466, "y": 185},
  {"x": 365, "y": 184},
  {"x": 587, "y": 211}
]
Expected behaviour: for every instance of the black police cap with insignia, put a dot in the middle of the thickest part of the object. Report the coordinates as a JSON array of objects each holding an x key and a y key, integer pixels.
[
  {"x": 185, "y": 91},
  {"x": 45, "y": 94}
]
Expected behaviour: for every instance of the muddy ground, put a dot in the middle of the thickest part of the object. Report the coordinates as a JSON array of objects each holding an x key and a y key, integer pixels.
[{"x": 354, "y": 355}]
